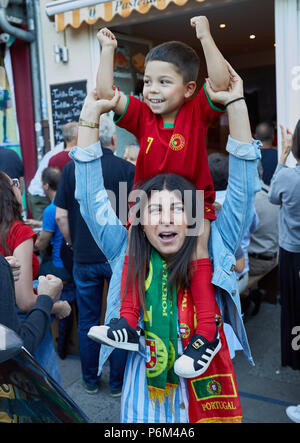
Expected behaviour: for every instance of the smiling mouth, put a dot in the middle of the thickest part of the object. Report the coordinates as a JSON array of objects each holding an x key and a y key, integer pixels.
[
  {"x": 155, "y": 100},
  {"x": 167, "y": 236}
]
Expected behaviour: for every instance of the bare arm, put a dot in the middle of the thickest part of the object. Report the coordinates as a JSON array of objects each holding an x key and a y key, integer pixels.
[
  {"x": 239, "y": 124},
  {"x": 63, "y": 223},
  {"x": 105, "y": 74},
  {"x": 216, "y": 64},
  {"x": 91, "y": 111},
  {"x": 25, "y": 297},
  {"x": 43, "y": 240}
]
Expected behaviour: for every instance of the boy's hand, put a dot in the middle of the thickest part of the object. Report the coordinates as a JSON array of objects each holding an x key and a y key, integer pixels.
[
  {"x": 201, "y": 24},
  {"x": 107, "y": 38}
]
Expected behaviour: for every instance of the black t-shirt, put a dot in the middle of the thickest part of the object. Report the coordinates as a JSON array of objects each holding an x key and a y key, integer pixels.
[
  {"x": 11, "y": 163},
  {"x": 115, "y": 170}
]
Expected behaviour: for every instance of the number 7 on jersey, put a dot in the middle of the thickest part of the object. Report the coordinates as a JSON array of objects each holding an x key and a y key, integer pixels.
[{"x": 149, "y": 140}]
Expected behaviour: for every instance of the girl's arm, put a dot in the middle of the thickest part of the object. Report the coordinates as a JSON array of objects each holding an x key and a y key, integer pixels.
[{"x": 25, "y": 297}]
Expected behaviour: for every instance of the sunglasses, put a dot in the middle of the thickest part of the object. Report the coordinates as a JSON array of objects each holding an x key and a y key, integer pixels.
[{"x": 16, "y": 182}]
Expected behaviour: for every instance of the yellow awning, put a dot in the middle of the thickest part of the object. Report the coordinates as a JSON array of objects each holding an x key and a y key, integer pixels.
[{"x": 107, "y": 11}]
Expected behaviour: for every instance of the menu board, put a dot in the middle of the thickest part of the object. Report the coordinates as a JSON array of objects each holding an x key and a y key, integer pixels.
[{"x": 66, "y": 101}]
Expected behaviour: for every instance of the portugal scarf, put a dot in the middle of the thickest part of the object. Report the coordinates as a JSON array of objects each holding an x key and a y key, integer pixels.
[{"x": 160, "y": 321}]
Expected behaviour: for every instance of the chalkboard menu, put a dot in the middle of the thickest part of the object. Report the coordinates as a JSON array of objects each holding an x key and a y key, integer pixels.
[{"x": 66, "y": 101}]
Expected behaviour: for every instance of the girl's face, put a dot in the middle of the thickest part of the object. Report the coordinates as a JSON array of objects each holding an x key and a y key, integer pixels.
[{"x": 165, "y": 222}]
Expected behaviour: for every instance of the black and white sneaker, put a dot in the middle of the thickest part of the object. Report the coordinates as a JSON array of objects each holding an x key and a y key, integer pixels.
[
  {"x": 117, "y": 334},
  {"x": 197, "y": 356}
]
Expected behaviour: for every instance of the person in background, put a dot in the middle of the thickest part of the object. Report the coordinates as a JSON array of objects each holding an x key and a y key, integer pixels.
[
  {"x": 50, "y": 234},
  {"x": 18, "y": 239},
  {"x": 37, "y": 322},
  {"x": 131, "y": 153},
  {"x": 12, "y": 165},
  {"x": 263, "y": 247},
  {"x": 36, "y": 197},
  {"x": 284, "y": 191},
  {"x": 70, "y": 132},
  {"x": 269, "y": 155}
]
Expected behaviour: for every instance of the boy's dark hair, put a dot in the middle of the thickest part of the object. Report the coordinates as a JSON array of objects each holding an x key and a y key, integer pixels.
[
  {"x": 182, "y": 56},
  {"x": 296, "y": 142},
  {"x": 51, "y": 176}
]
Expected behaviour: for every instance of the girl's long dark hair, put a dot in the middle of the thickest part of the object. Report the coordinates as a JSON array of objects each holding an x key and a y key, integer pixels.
[
  {"x": 139, "y": 248},
  {"x": 10, "y": 210}
]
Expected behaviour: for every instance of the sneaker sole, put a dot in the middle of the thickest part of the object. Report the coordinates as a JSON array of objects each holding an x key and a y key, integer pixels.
[
  {"x": 96, "y": 335},
  {"x": 186, "y": 374},
  {"x": 291, "y": 417}
]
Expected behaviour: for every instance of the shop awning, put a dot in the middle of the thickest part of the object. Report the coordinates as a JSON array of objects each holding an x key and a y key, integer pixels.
[{"x": 75, "y": 12}]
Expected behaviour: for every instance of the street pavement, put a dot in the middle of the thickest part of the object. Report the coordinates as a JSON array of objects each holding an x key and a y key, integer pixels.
[{"x": 266, "y": 389}]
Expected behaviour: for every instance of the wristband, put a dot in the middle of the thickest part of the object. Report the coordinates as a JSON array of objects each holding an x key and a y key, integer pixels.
[
  {"x": 235, "y": 100},
  {"x": 88, "y": 124}
]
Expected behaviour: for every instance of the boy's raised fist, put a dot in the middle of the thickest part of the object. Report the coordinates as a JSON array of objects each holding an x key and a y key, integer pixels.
[
  {"x": 201, "y": 24},
  {"x": 106, "y": 38}
]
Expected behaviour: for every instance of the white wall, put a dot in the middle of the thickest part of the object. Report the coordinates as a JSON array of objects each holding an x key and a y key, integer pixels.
[
  {"x": 79, "y": 66},
  {"x": 287, "y": 35}
]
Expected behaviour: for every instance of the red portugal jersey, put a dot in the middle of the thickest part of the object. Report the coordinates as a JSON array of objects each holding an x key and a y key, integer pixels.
[{"x": 180, "y": 149}]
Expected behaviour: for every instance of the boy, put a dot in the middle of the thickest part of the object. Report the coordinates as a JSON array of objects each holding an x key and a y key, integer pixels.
[{"x": 171, "y": 127}]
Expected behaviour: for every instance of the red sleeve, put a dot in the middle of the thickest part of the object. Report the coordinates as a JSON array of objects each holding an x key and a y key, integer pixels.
[
  {"x": 133, "y": 116},
  {"x": 208, "y": 110},
  {"x": 18, "y": 233}
]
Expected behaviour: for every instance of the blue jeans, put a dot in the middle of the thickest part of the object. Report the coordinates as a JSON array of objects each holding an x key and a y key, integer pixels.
[
  {"x": 45, "y": 353},
  {"x": 89, "y": 281}
]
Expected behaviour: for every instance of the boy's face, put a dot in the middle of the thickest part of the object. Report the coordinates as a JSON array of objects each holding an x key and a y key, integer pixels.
[{"x": 164, "y": 90}]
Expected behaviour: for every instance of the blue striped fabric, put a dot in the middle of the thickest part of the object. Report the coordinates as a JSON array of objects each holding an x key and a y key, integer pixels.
[{"x": 135, "y": 404}]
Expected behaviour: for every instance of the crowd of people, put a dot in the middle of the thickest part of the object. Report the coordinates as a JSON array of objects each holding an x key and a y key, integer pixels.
[{"x": 171, "y": 316}]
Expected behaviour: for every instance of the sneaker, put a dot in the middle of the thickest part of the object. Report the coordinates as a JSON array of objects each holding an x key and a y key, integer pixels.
[
  {"x": 116, "y": 392},
  {"x": 90, "y": 389},
  {"x": 197, "y": 356},
  {"x": 118, "y": 334},
  {"x": 293, "y": 412}
]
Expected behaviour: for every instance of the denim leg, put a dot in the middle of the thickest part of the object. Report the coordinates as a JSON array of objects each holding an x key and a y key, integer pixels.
[
  {"x": 89, "y": 281},
  {"x": 117, "y": 367}
]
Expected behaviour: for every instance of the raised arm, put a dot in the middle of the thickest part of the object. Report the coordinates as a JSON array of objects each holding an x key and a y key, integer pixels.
[
  {"x": 243, "y": 181},
  {"x": 276, "y": 186},
  {"x": 215, "y": 62},
  {"x": 106, "y": 229},
  {"x": 233, "y": 99},
  {"x": 105, "y": 75}
]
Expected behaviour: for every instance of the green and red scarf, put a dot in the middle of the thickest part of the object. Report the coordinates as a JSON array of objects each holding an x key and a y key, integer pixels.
[
  {"x": 161, "y": 337},
  {"x": 213, "y": 396}
]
